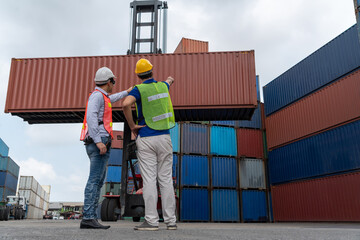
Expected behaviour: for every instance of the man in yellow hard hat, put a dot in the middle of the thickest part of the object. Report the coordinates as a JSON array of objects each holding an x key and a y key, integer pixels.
[{"x": 154, "y": 149}]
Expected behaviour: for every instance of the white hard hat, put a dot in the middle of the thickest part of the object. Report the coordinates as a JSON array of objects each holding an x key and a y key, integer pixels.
[{"x": 103, "y": 75}]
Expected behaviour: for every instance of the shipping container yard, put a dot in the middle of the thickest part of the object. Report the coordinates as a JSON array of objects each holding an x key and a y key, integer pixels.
[{"x": 279, "y": 160}]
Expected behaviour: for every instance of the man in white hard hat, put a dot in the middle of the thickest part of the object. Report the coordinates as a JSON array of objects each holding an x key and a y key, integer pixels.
[
  {"x": 154, "y": 149},
  {"x": 97, "y": 134}
]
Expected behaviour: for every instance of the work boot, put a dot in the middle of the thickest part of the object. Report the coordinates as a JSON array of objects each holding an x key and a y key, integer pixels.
[
  {"x": 92, "y": 224},
  {"x": 172, "y": 226},
  {"x": 146, "y": 227}
]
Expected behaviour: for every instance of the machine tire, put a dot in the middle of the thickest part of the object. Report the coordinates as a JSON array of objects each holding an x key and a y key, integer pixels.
[
  {"x": 113, "y": 203},
  {"x": 104, "y": 210},
  {"x": 136, "y": 219},
  {"x": 16, "y": 214},
  {"x": 1, "y": 214},
  {"x": 6, "y": 215},
  {"x": 22, "y": 214}
]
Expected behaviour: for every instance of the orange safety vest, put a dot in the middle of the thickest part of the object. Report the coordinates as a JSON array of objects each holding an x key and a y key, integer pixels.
[{"x": 107, "y": 118}]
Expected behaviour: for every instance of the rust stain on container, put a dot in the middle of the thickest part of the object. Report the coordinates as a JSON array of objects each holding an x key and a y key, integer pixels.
[
  {"x": 328, "y": 107},
  {"x": 56, "y": 89},
  {"x": 187, "y": 45},
  {"x": 333, "y": 198}
]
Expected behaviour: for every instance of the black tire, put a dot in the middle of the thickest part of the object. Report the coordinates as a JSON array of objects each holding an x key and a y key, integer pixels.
[
  {"x": 1, "y": 213},
  {"x": 136, "y": 219},
  {"x": 7, "y": 212},
  {"x": 16, "y": 214},
  {"x": 113, "y": 203},
  {"x": 22, "y": 214},
  {"x": 104, "y": 210}
]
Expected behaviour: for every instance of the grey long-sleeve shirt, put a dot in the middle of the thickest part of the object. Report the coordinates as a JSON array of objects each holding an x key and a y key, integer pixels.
[{"x": 95, "y": 113}]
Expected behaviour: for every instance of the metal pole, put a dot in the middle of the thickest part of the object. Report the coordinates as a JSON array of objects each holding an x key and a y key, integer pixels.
[
  {"x": 124, "y": 168},
  {"x": 164, "y": 50}
]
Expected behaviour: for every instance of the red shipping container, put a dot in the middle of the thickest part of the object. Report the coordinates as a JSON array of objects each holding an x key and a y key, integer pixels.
[
  {"x": 208, "y": 86},
  {"x": 335, "y": 198},
  {"x": 331, "y": 106},
  {"x": 117, "y": 142},
  {"x": 187, "y": 45},
  {"x": 250, "y": 142}
]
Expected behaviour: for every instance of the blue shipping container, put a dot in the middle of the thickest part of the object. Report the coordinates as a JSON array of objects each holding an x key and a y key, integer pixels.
[
  {"x": 195, "y": 138},
  {"x": 194, "y": 205},
  {"x": 113, "y": 174},
  {"x": 116, "y": 156},
  {"x": 175, "y": 168},
  {"x": 175, "y": 137},
  {"x": 8, "y": 180},
  {"x": 254, "y": 206},
  {"x": 4, "y": 192},
  {"x": 194, "y": 171},
  {"x": 224, "y": 123},
  {"x": 223, "y": 172},
  {"x": 225, "y": 205},
  {"x": 7, "y": 164},
  {"x": 223, "y": 141},
  {"x": 335, "y": 59},
  {"x": 4, "y": 149},
  {"x": 255, "y": 121},
  {"x": 326, "y": 153}
]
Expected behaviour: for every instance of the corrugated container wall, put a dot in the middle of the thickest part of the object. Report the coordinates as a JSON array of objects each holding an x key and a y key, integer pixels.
[
  {"x": 194, "y": 171},
  {"x": 195, "y": 138},
  {"x": 28, "y": 182},
  {"x": 328, "y": 152},
  {"x": 250, "y": 142},
  {"x": 7, "y": 164},
  {"x": 4, "y": 192},
  {"x": 187, "y": 45},
  {"x": 334, "y": 104},
  {"x": 223, "y": 141},
  {"x": 225, "y": 205},
  {"x": 254, "y": 206},
  {"x": 230, "y": 96},
  {"x": 116, "y": 156},
  {"x": 175, "y": 137},
  {"x": 4, "y": 149},
  {"x": 8, "y": 180},
  {"x": 113, "y": 174},
  {"x": 333, "y": 198},
  {"x": 194, "y": 205},
  {"x": 252, "y": 173},
  {"x": 223, "y": 172},
  {"x": 338, "y": 57}
]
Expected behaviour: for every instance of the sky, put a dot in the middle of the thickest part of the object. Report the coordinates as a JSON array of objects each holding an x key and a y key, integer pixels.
[{"x": 281, "y": 32}]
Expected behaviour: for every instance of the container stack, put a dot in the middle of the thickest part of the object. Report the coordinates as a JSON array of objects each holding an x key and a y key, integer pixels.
[
  {"x": 36, "y": 196},
  {"x": 313, "y": 126},
  {"x": 9, "y": 173},
  {"x": 222, "y": 170}
]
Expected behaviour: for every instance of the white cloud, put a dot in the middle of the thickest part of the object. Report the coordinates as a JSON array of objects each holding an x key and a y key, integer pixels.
[{"x": 42, "y": 171}]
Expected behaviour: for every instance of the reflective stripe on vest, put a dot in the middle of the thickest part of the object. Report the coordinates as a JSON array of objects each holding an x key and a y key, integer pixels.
[
  {"x": 107, "y": 118},
  {"x": 156, "y": 106}
]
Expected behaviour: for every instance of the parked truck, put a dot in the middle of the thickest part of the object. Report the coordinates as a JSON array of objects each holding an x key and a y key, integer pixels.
[{"x": 15, "y": 207}]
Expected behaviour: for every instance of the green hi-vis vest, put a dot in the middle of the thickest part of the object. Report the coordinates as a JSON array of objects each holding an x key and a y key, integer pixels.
[{"x": 156, "y": 106}]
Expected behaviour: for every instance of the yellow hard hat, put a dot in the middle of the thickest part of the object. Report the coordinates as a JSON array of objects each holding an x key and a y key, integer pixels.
[{"x": 143, "y": 66}]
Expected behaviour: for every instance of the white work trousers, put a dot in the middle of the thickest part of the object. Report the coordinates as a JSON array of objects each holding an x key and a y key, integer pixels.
[{"x": 156, "y": 158}]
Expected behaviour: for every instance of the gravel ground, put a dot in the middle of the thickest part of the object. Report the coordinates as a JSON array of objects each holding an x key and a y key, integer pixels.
[{"x": 69, "y": 229}]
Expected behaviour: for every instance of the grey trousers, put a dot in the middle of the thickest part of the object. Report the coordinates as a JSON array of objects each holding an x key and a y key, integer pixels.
[{"x": 155, "y": 159}]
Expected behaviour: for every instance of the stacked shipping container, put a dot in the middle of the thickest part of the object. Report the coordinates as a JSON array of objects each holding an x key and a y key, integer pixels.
[
  {"x": 37, "y": 197},
  {"x": 313, "y": 125},
  {"x": 222, "y": 174},
  {"x": 9, "y": 173}
]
